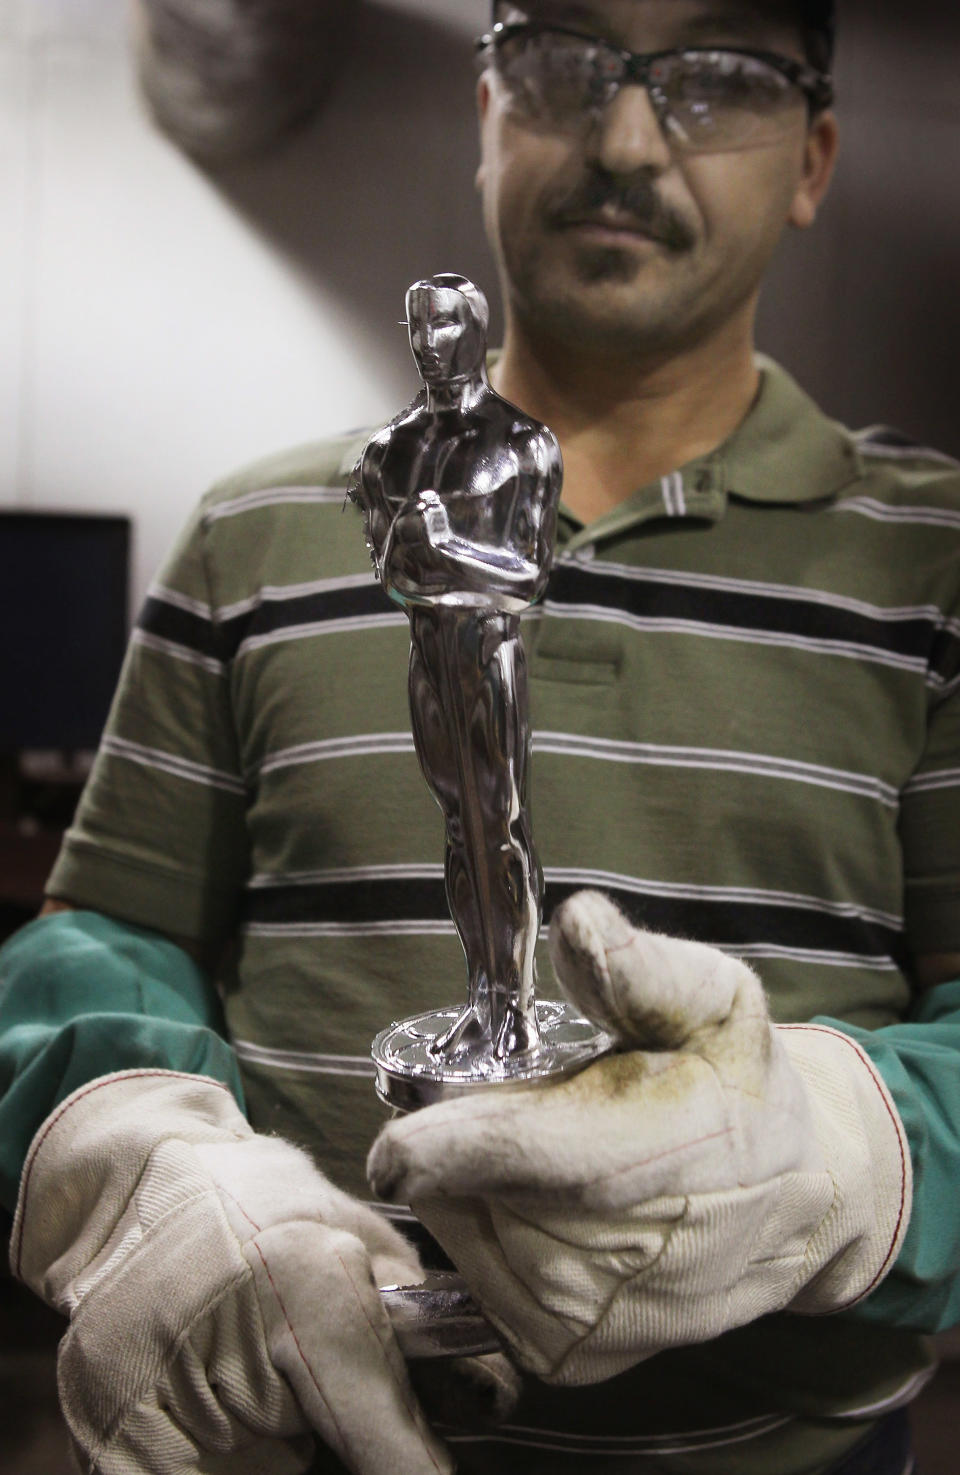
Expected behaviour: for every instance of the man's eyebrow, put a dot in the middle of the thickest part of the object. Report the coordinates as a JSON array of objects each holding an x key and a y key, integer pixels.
[
  {"x": 561, "y": 15},
  {"x": 739, "y": 25}
]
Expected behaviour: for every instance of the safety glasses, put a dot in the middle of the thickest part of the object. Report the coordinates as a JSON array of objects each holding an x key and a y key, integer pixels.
[{"x": 706, "y": 98}]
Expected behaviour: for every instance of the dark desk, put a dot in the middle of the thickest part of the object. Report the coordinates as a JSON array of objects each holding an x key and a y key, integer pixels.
[{"x": 27, "y": 854}]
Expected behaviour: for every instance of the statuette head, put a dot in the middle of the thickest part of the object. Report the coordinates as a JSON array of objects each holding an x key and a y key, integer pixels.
[{"x": 447, "y": 318}]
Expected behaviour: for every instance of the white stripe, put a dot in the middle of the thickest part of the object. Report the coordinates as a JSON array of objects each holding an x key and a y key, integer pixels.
[
  {"x": 178, "y": 600},
  {"x": 903, "y": 453},
  {"x": 943, "y": 688},
  {"x": 721, "y": 760},
  {"x": 808, "y": 955},
  {"x": 671, "y": 487},
  {"x": 402, "y": 871},
  {"x": 745, "y": 635},
  {"x": 898, "y": 1399},
  {"x": 562, "y": 1443},
  {"x": 272, "y": 497},
  {"x": 353, "y": 746},
  {"x": 430, "y": 928},
  {"x": 613, "y": 751},
  {"x": 882, "y": 512},
  {"x": 395, "y": 1212},
  {"x": 894, "y": 613},
  {"x": 312, "y": 1062},
  {"x": 172, "y": 763},
  {"x": 643, "y": 887},
  {"x": 943, "y": 778},
  {"x": 424, "y": 928},
  {"x": 273, "y": 592},
  {"x": 757, "y": 1424},
  {"x": 178, "y": 652},
  {"x": 321, "y": 627}
]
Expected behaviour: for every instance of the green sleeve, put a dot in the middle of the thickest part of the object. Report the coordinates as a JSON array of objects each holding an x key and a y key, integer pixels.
[
  {"x": 160, "y": 837},
  {"x": 920, "y": 1062},
  {"x": 82, "y": 995}
]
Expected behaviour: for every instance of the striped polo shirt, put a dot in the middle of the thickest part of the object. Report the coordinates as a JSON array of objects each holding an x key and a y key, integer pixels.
[{"x": 745, "y": 704}]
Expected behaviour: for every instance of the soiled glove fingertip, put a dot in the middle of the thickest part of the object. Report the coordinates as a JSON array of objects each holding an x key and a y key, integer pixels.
[
  {"x": 476, "y": 1393},
  {"x": 580, "y": 932},
  {"x": 387, "y": 1168}
]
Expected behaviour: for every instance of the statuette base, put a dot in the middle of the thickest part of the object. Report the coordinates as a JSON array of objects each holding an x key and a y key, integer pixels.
[{"x": 412, "y": 1072}]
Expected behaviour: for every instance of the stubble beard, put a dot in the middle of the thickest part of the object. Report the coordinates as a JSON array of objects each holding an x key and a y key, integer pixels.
[
  {"x": 605, "y": 302},
  {"x": 626, "y": 300}
]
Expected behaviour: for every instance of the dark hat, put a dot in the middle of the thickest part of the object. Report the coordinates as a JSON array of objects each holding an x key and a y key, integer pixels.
[{"x": 820, "y": 20}]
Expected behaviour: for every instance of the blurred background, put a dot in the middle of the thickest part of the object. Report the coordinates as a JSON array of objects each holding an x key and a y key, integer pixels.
[
  {"x": 163, "y": 320},
  {"x": 167, "y": 313}
]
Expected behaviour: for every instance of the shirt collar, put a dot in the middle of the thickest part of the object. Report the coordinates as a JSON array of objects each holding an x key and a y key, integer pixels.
[{"x": 785, "y": 451}]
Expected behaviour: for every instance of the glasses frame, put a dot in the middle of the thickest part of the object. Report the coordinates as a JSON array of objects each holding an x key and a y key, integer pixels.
[{"x": 816, "y": 86}]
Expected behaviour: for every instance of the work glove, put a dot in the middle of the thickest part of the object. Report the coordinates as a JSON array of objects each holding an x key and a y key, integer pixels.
[
  {"x": 221, "y": 1292},
  {"x": 713, "y": 1169}
]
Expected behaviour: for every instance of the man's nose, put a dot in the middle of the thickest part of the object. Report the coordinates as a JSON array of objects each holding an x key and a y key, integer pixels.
[{"x": 628, "y": 135}]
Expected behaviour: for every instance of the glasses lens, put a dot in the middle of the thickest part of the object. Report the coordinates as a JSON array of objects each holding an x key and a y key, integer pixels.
[
  {"x": 712, "y": 100},
  {"x": 707, "y": 100},
  {"x": 556, "y": 78}
]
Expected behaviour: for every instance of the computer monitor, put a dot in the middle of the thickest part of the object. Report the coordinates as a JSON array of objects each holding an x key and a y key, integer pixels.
[{"x": 64, "y": 580}]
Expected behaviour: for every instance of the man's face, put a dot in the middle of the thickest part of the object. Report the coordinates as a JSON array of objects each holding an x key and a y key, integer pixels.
[{"x": 606, "y": 235}]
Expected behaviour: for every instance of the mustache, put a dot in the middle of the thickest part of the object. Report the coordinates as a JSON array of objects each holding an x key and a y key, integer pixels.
[{"x": 636, "y": 198}]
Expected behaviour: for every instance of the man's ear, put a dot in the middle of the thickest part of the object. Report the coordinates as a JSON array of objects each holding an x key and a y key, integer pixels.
[
  {"x": 483, "y": 96},
  {"x": 819, "y": 159},
  {"x": 483, "y": 104}
]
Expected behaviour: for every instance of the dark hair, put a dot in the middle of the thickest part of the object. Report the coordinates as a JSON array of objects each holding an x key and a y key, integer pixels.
[{"x": 818, "y": 22}]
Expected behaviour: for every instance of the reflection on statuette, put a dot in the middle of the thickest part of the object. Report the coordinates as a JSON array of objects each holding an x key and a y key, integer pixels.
[{"x": 460, "y": 494}]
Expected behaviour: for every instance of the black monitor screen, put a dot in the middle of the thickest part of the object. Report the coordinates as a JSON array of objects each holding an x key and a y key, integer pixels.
[{"x": 63, "y": 626}]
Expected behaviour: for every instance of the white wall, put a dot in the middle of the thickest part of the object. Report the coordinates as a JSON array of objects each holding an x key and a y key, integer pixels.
[{"x": 160, "y": 325}]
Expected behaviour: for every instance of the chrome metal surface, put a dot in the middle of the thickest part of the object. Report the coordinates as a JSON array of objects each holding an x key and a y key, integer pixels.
[
  {"x": 438, "y": 1318},
  {"x": 410, "y": 1073},
  {"x": 460, "y": 494}
]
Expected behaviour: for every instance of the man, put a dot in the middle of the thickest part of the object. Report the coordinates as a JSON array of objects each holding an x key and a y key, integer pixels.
[{"x": 745, "y": 694}]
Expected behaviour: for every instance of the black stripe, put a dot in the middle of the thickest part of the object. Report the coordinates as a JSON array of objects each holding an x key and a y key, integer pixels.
[
  {"x": 725, "y": 922},
  {"x": 391, "y": 898},
  {"x": 886, "y": 435},
  {"x": 945, "y": 655},
  {"x": 778, "y": 614},
  {"x": 169, "y": 622},
  {"x": 221, "y": 640},
  {"x": 304, "y": 609},
  {"x": 914, "y": 636}
]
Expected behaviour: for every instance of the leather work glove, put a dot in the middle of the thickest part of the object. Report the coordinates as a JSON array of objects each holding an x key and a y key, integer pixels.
[
  {"x": 714, "y": 1169},
  {"x": 221, "y": 1292}
]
